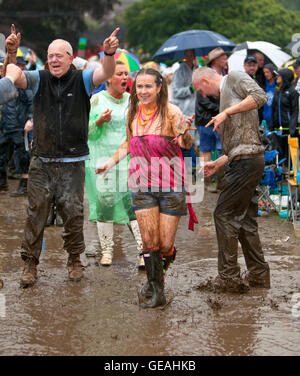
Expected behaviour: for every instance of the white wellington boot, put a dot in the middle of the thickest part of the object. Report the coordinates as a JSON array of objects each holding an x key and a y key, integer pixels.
[
  {"x": 106, "y": 233},
  {"x": 137, "y": 235}
]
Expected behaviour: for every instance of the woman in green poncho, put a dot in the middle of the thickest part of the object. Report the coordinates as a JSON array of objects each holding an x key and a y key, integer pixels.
[{"x": 109, "y": 198}]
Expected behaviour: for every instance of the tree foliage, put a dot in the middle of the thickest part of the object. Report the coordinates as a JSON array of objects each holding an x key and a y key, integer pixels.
[
  {"x": 150, "y": 22},
  {"x": 41, "y": 21}
]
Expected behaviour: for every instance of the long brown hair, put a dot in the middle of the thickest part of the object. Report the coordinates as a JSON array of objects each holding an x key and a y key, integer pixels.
[{"x": 162, "y": 98}]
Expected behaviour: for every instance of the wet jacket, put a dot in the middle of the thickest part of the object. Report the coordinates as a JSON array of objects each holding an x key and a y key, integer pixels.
[
  {"x": 205, "y": 109},
  {"x": 16, "y": 112},
  {"x": 61, "y": 115},
  {"x": 240, "y": 132},
  {"x": 285, "y": 106},
  {"x": 183, "y": 95}
]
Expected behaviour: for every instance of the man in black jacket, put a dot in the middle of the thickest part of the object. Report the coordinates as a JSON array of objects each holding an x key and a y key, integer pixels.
[
  {"x": 57, "y": 168},
  {"x": 15, "y": 115}
]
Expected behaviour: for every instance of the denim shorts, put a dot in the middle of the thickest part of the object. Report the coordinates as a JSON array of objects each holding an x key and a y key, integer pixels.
[
  {"x": 209, "y": 139},
  {"x": 170, "y": 203}
]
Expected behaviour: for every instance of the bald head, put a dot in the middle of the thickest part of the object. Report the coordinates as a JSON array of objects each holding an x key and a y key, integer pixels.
[
  {"x": 60, "y": 57},
  {"x": 207, "y": 82}
]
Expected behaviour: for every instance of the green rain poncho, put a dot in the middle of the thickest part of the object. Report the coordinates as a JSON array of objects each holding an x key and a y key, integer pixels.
[{"x": 109, "y": 197}]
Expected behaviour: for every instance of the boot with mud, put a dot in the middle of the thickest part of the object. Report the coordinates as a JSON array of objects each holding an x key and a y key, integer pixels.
[
  {"x": 235, "y": 285},
  {"x": 22, "y": 189},
  {"x": 106, "y": 233},
  {"x": 29, "y": 275},
  {"x": 3, "y": 181},
  {"x": 155, "y": 276},
  {"x": 167, "y": 260},
  {"x": 75, "y": 268},
  {"x": 253, "y": 281}
]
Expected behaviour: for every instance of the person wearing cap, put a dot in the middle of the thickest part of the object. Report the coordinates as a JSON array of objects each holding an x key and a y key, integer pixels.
[
  {"x": 205, "y": 109},
  {"x": 270, "y": 71},
  {"x": 285, "y": 109},
  {"x": 251, "y": 68},
  {"x": 16, "y": 116}
]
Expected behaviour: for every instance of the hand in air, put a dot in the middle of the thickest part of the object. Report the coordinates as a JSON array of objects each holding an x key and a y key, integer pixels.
[{"x": 111, "y": 43}]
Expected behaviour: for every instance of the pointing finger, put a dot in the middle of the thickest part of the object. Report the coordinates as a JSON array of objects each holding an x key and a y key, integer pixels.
[
  {"x": 13, "y": 29},
  {"x": 115, "y": 32}
]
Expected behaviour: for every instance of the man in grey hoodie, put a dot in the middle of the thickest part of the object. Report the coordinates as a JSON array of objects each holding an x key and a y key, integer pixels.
[{"x": 236, "y": 210}]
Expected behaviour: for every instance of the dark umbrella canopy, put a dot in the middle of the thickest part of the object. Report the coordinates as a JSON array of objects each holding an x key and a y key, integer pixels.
[{"x": 202, "y": 41}]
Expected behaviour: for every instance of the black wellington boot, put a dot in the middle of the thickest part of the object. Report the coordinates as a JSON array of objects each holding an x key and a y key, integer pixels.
[
  {"x": 3, "y": 181},
  {"x": 167, "y": 260},
  {"x": 154, "y": 269},
  {"x": 22, "y": 190}
]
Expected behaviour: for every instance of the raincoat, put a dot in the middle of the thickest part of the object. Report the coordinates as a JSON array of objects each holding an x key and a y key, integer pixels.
[{"x": 109, "y": 198}]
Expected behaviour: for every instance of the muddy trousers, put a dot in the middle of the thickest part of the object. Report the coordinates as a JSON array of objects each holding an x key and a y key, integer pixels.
[
  {"x": 235, "y": 220},
  {"x": 65, "y": 182}
]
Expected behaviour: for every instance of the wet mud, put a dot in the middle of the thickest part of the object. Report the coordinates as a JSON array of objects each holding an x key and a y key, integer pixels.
[{"x": 100, "y": 314}]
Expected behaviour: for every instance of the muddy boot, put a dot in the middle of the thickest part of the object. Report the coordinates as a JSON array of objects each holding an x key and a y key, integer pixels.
[
  {"x": 236, "y": 285},
  {"x": 105, "y": 233},
  {"x": 154, "y": 269},
  {"x": 167, "y": 260},
  {"x": 3, "y": 181},
  {"x": 29, "y": 275},
  {"x": 253, "y": 281},
  {"x": 75, "y": 268},
  {"x": 51, "y": 216},
  {"x": 134, "y": 228},
  {"x": 22, "y": 190}
]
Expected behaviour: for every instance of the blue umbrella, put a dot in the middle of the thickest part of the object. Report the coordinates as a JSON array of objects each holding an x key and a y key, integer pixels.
[{"x": 202, "y": 41}]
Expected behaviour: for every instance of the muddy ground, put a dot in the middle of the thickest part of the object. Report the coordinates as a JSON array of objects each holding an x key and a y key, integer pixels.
[{"x": 100, "y": 315}]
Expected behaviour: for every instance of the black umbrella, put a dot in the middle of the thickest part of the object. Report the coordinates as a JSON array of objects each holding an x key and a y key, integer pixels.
[{"x": 202, "y": 41}]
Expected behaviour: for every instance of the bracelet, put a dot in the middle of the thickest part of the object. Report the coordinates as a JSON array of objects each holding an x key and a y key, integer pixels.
[
  {"x": 107, "y": 54},
  {"x": 12, "y": 53},
  {"x": 226, "y": 112}
]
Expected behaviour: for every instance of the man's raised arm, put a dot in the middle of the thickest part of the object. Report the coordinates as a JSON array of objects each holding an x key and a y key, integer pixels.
[{"x": 107, "y": 68}]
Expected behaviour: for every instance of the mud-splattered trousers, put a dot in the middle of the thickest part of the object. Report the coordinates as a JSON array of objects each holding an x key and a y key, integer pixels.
[
  {"x": 235, "y": 220},
  {"x": 65, "y": 182}
]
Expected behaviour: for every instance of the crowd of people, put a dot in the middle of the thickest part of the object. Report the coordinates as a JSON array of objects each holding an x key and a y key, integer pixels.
[{"x": 77, "y": 124}]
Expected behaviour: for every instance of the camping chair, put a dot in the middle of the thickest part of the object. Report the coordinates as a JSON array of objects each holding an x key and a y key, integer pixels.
[
  {"x": 271, "y": 179},
  {"x": 293, "y": 184}
]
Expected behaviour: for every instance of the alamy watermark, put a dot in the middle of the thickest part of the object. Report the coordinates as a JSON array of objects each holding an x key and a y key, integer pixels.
[{"x": 153, "y": 174}]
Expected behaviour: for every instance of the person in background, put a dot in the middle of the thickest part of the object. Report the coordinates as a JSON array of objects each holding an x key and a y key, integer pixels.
[
  {"x": 296, "y": 67},
  {"x": 285, "y": 110},
  {"x": 183, "y": 92},
  {"x": 270, "y": 72},
  {"x": 259, "y": 75},
  {"x": 16, "y": 117},
  {"x": 107, "y": 131}
]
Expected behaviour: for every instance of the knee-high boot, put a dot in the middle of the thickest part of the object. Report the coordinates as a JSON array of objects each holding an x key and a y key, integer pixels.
[
  {"x": 134, "y": 227},
  {"x": 155, "y": 276},
  {"x": 106, "y": 232}
]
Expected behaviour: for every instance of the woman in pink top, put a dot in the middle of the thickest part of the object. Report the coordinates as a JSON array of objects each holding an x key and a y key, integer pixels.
[{"x": 156, "y": 129}]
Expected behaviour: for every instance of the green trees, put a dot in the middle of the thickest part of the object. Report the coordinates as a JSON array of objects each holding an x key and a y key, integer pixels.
[
  {"x": 41, "y": 21},
  {"x": 150, "y": 22}
]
